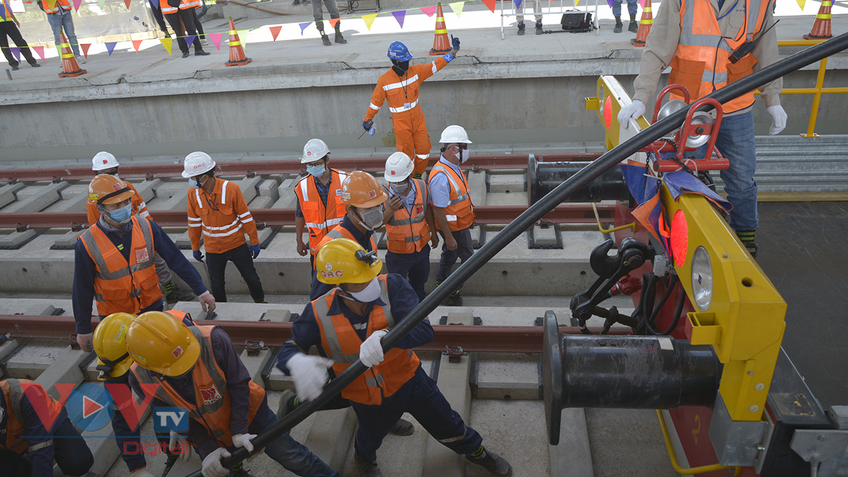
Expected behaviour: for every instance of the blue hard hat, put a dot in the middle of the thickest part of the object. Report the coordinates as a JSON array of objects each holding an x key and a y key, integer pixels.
[{"x": 398, "y": 51}]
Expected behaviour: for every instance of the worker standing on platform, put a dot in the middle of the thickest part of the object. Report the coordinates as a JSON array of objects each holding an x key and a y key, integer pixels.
[
  {"x": 199, "y": 362},
  {"x": 36, "y": 427},
  {"x": 318, "y": 15},
  {"x": 59, "y": 17},
  {"x": 452, "y": 205},
  {"x": 217, "y": 210},
  {"x": 113, "y": 260},
  {"x": 9, "y": 25},
  {"x": 105, "y": 163},
  {"x": 348, "y": 322},
  {"x": 409, "y": 223},
  {"x": 180, "y": 15},
  {"x": 698, "y": 39},
  {"x": 400, "y": 87}
]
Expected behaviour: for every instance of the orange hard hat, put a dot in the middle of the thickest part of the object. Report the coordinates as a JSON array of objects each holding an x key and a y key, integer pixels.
[
  {"x": 360, "y": 189},
  {"x": 108, "y": 189}
]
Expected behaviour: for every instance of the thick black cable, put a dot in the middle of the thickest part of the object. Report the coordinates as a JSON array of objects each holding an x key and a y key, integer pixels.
[
  {"x": 530, "y": 216},
  {"x": 672, "y": 283},
  {"x": 677, "y": 311}
]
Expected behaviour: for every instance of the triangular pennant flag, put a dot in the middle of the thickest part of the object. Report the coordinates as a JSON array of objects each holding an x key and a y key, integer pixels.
[
  {"x": 50, "y": 4},
  {"x": 429, "y": 11},
  {"x": 334, "y": 22},
  {"x": 518, "y": 3},
  {"x": 303, "y": 27},
  {"x": 610, "y": 2},
  {"x": 110, "y": 47},
  {"x": 167, "y": 42},
  {"x": 275, "y": 30},
  {"x": 491, "y": 4},
  {"x": 17, "y": 52},
  {"x": 457, "y": 8},
  {"x": 190, "y": 39},
  {"x": 399, "y": 16},
  {"x": 243, "y": 36},
  {"x": 77, "y": 4},
  {"x": 216, "y": 39},
  {"x": 136, "y": 45},
  {"x": 85, "y": 47},
  {"x": 101, "y": 3},
  {"x": 801, "y": 3},
  {"x": 3, "y": 13},
  {"x": 39, "y": 50},
  {"x": 156, "y": 4},
  {"x": 127, "y": 3},
  {"x": 642, "y": 3},
  {"x": 369, "y": 20}
]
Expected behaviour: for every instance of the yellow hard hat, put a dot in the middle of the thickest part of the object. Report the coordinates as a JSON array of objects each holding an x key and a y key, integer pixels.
[
  {"x": 110, "y": 344},
  {"x": 161, "y": 343},
  {"x": 360, "y": 189},
  {"x": 108, "y": 189},
  {"x": 345, "y": 261}
]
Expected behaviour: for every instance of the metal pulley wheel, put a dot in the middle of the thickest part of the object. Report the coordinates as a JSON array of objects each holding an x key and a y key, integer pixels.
[{"x": 695, "y": 141}]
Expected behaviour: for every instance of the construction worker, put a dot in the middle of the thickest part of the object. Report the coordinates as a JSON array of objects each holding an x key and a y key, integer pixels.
[
  {"x": 314, "y": 209},
  {"x": 37, "y": 428},
  {"x": 217, "y": 210},
  {"x": 113, "y": 261},
  {"x": 348, "y": 322},
  {"x": 105, "y": 163},
  {"x": 698, "y": 40},
  {"x": 318, "y": 16},
  {"x": 452, "y": 205},
  {"x": 180, "y": 15},
  {"x": 9, "y": 29},
  {"x": 400, "y": 87},
  {"x": 59, "y": 17},
  {"x": 409, "y": 222},
  {"x": 199, "y": 362}
]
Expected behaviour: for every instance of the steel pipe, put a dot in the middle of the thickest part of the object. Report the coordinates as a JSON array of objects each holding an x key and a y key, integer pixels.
[{"x": 543, "y": 177}]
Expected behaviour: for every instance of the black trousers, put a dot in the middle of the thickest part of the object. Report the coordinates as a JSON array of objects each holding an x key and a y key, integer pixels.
[
  {"x": 8, "y": 28},
  {"x": 157, "y": 15},
  {"x": 243, "y": 260},
  {"x": 197, "y": 25},
  {"x": 187, "y": 16}
]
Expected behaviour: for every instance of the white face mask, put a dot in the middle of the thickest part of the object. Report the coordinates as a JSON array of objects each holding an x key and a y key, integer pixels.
[
  {"x": 371, "y": 218},
  {"x": 369, "y": 294},
  {"x": 465, "y": 155},
  {"x": 399, "y": 187}
]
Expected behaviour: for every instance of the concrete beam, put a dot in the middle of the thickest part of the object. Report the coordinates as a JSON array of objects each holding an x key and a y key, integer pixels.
[
  {"x": 16, "y": 240},
  {"x": 248, "y": 187},
  {"x": 261, "y": 202},
  {"x": 147, "y": 188},
  {"x": 39, "y": 201},
  {"x": 7, "y": 193},
  {"x": 269, "y": 187},
  {"x": 277, "y": 316},
  {"x": 572, "y": 457},
  {"x": 477, "y": 187},
  {"x": 67, "y": 241},
  {"x": 65, "y": 370},
  {"x": 278, "y": 381},
  {"x": 72, "y": 204},
  {"x": 255, "y": 364},
  {"x": 331, "y": 435},
  {"x": 286, "y": 194}
]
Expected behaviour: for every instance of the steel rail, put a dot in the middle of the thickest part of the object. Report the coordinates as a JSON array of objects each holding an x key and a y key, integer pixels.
[{"x": 530, "y": 216}]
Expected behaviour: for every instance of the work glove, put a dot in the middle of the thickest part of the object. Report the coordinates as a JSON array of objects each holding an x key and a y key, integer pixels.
[
  {"x": 142, "y": 472},
  {"x": 367, "y": 125},
  {"x": 207, "y": 302},
  {"x": 243, "y": 440},
  {"x": 778, "y": 119},
  {"x": 197, "y": 255},
  {"x": 85, "y": 341},
  {"x": 254, "y": 249},
  {"x": 631, "y": 111},
  {"x": 371, "y": 351},
  {"x": 179, "y": 444},
  {"x": 455, "y": 42},
  {"x": 309, "y": 374},
  {"x": 212, "y": 463}
]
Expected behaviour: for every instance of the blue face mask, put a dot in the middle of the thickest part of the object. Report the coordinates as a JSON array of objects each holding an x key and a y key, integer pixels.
[
  {"x": 121, "y": 215},
  {"x": 316, "y": 171}
]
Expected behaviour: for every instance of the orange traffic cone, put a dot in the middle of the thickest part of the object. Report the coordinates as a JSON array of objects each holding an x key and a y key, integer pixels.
[
  {"x": 237, "y": 57},
  {"x": 70, "y": 67},
  {"x": 821, "y": 27},
  {"x": 644, "y": 25},
  {"x": 441, "y": 44}
]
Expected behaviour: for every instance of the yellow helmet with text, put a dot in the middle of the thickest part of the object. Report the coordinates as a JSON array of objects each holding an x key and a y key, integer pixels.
[
  {"x": 110, "y": 344},
  {"x": 345, "y": 261},
  {"x": 161, "y": 343}
]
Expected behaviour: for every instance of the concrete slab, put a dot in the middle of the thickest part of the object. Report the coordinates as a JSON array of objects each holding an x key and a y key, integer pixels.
[
  {"x": 572, "y": 457},
  {"x": 508, "y": 377},
  {"x": 544, "y": 237},
  {"x": 248, "y": 187},
  {"x": 277, "y": 316},
  {"x": 147, "y": 188},
  {"x": 65, "y": 369},
  {"x": 507, "y": 182},
  {"x": 331, "y": 436},
  {"x": 612, "y": 433},
  {"x": 16, "y": 240},
  {"x": 269, "y": 187},
  {"x": 44, "y": 196},
  {"x": 261, "y": 203},
  {"x": 34, "y": 358},
  {"x": 507, "y": 198},
  {"x": 71, "y": 202},
  {"x": 477, "y": 187},
  {"x": 286, "y": 194},
  {"x": 255, "y": 364},
  {"x": 7, "y": 193},
  {"x": 505, "y": 431},
  {"x": 67, "y": 241}
]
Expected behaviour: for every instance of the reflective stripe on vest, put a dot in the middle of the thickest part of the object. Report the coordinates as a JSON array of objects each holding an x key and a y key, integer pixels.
[
  {"x": 405, "y": 108},
  {"x": 459, "y": 214},
  {"x": 64, "y": 4},
  {"x": 13, "y": 391},
  {"x": 314, "y": 211},
  {"x": 416, "y": 236},
  {"x": 103, "y": 272}
]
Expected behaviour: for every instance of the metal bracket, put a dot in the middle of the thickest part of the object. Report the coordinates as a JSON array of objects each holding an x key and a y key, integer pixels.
[
  {"x": 254, "y": 347},
  {"x": 454, "y": 353},
  {"x": 818, "y": 445}
]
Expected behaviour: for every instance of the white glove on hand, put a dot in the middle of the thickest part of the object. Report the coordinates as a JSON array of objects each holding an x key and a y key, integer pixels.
[
  {"x": 309, "y": 374},
  {"x": 778, "y": 119},
  {"x": 184, "y": 447},
  {"x": 141, "y": 473},
  {"x": 371, "y": 351},
  {"x": 243, "y": 440},
  {"x": 631, "y": 111},
  {"x": 212, "y": 463}
]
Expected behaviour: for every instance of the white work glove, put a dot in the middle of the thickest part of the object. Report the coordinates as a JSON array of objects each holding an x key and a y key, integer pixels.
[
  {"x": 184, "y": 447},
  {"x": 212, "y": 463},
  {"x": 632, "y": 111},
  {"x": 141, "y": 473},
  {"x": 243, "y": 440},
  {"x": 85, "y": 341},
  {"x": 778, "y": 119},
  {"x": 371, "y": 351},
  {"x": 207, "y": 302},
  {"x": 309, "y": 374}
]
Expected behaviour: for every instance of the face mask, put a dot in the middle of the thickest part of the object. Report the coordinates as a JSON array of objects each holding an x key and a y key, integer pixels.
[
  {"x": 400, "y": 187},
  {"x": 195, "y": 183},
  {"x": 371, "y": 218},
  {"x": 465, "y": 155},
  {"x": 121, "y": 215},
  {"x": 316, "y": 171},
  {"x": 400, "y": 67},
  {"x": 369, "y": 294}
]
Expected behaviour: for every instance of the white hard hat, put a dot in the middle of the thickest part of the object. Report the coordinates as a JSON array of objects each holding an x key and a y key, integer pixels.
[
  {"x": 398, "y": 167},
  {"x": 454, "y": 134},
  {"x": 197, "y": 163},
  {"x": 314, "y": 150},
  {"x": 103, "y": 160}
]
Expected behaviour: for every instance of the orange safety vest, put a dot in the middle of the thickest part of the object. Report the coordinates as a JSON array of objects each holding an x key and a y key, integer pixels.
[
  {"x": 701, "y": 62},
  {"x": 120, "y": 286},
  {"x": 167, "y": 9},
  {"x": 409, "y": 233},
  {"x": 320, "y": 219},
  {"x": 186, "y": 4},
  {"x": 340, "y": 232},
  {"x": 138, "y": 207},
  {"x": 13, "y": 391},
  {"x": 341, "y": 342},
  {"x": 460, "y": 210},
  {"x": 65, "y": 4},
  {"x": 8, "y": 17},
  {"x": 210, "y": 388}
]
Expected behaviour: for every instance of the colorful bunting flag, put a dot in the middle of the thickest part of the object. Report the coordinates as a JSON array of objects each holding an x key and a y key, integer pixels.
[
  {"x": 127, "y": 3},
  {"x": 85, "y": 47},
  {"x": 216, "y": 39},
  {"x": 156, "y": 4},
  {"x": 17, "y": 52},
  {"x": 3, "y": 13},
  {"x": 243, "y": 36},
  {"x": 430, "y": 11},
  {"x": 303, "y": 27},
  {"x": 491, "y": 4},
  {"x": 39, "y": 50},
  {"x": 642, "y": 3},
  {"x": 518, "y": 3},
  {"x": 101, "y": 3},
  {"x": 399, "y": 16},
  {"x": 190, "y": 40},
  {"x": 77, "y": 4},
  {"x": 457, "y": 8},
  {"x": 49, "y": 3},
  {"x": 110, "y": 47},
  {"x": 801, "y": 3},
  {"x": 275, "y": 30},
  {"x": 136, "y": 45},
  {"x": 334, "y": 22},
  {"x": 167, "y": 43},
  {"x": 369, "y": 20}
]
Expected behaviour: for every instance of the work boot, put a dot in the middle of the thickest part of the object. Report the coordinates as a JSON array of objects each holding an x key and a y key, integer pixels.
[
  {"x": 201, "y": 53},
  {"x": 325, "y": 39},
  {"x": 365, "y": 468},
  {"x": 339, "y": 38},
  {"x": 454, "y": 299},
  {"x": 747, "y": 239},
  {"x": 287, "y": 404},
  {"x": 15, "y": 67},
  {"x": 185, "y": 54},
  {"x": 520, "y": 28},
  {"x": 80, "y": 60},
  {"x": 539, "y": 30},
  {"x": 634, "y": 27},
  {"x": 174, "y": 294},
  {"x": 172, "y": 459},
  {"x": 239, "y": 470},
  {"x": 35, "y": 64},
  {"x": 403, "y": 428},
  {"x": 491, "y": 462},
  {"x": 618, "y": 26}
]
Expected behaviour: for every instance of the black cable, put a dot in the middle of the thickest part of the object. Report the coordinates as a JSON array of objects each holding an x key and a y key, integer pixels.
[
  {"x": 672, "y": 283},
  {"x": 678, "y": 310}
]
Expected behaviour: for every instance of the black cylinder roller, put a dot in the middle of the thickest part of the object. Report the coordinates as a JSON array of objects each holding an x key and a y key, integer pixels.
[{"x": 544, "y": 177}]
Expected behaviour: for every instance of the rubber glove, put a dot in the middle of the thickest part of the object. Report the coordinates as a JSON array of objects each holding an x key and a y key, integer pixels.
[
  {"x": 367, "y": 125},
  {"x": 207, "y": 302},
  {"x": 455, "y": 42},
  {"x": 778, "y": 119},
  {"x": 254, "y": 249},
  {"x": 197, "y": 255},
  {"x": 309, "y": 374},
  {"x": 243, "y": 440},
  {"x": 85, "y": 341},
  {"x": 142, "y": 472},
  {"x": 180, "y": 444},
  {"x": 631, "y": 111},
  {"x": 371, "y": 351},
  {"x": 212, "y": 463}
]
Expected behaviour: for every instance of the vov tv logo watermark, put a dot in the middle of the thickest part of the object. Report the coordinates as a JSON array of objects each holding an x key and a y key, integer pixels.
[{"x": 167, "y": 419}]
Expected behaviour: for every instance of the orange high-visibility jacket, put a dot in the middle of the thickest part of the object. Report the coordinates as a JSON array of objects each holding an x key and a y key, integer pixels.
[
  {"x": 409, "y": 233},
  {"x": 401, "y": 93},
  {"x": 460, "y": 210},
  {"x": 186, "y": 4},
  {"x": 341, "y": 343},
  {"x": 120, "y": 286},
  {"x": 167, "y": 9},
  {"x": 340, "y": 232},
  {"x": 701, "y": 62},
  {"x": 13, "y": 391},
  {"x": 320, "y": 219},
  {"x": 210, "y": 389},
  {"x": 138, "y": 207},
  {"x": 222, "y": 216},
  {"x": 65, "y": 4}
]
